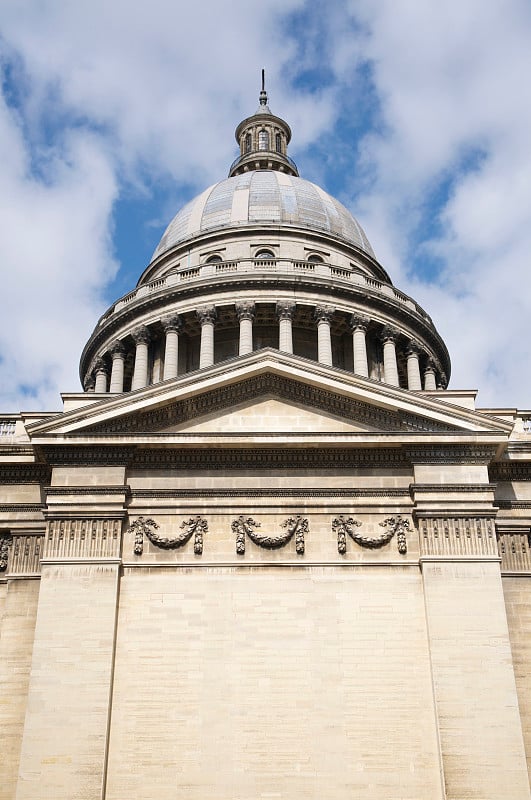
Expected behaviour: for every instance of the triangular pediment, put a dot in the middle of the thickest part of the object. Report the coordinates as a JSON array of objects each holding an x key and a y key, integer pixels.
[{"x": 267, "y": 392}]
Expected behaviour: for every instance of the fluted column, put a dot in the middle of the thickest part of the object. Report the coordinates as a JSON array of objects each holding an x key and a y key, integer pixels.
[
  {"x": 172, "y": 327},
  {"x": 323, "y": 316},
  {"x": 245, "y": 312},
  {"x": 207, "y": 318},
  {"x": 117, "y": 372},
  {"x": 101, "y": 373},
  {"x": 285, "y": 311},
  {"x": 429, "y": 377},
  {"x": 140, "y": 374},
  {"x": 389, "y": 336},
  {"x": 414, "y": 382},
  {"x": 359, "y": 327}
]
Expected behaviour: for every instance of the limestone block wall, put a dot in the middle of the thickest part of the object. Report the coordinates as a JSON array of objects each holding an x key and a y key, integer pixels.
[
  {"x": 237, "y": 682},
  {"x": 517, "y": 591},
  {"x": 17, "y": 628}
]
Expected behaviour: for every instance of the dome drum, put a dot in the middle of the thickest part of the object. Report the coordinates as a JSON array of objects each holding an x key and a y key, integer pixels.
[{"x": 266, "y": 312}]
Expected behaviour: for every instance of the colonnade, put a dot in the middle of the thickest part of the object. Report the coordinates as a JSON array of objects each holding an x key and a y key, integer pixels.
[{"x": 245, "y": 312}]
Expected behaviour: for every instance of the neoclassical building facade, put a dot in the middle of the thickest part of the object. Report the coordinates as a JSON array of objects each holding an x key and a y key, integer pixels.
[{"x": 266, "y": 552}]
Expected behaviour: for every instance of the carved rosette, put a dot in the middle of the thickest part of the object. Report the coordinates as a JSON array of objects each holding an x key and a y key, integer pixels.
[
  {"x": 395, "y": 525},
  {"x": 294, "y": 526},
  {"x": 195, "y": 526},
  {"x": 6, "y": 541}
]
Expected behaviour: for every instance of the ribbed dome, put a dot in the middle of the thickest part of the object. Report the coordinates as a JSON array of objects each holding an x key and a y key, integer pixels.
[{"x": 263, "y": 196}]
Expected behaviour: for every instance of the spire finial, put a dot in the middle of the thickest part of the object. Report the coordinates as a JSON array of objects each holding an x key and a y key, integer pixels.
[{"x": 263, "y": 93}]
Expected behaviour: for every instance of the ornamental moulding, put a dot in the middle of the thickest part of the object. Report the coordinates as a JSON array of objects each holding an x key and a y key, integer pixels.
[
  {"x": 266, "y": 492},
  {"x": 258, "y": 386},
  {"x": 243, "y": 526},
  {"x": 327, "y": 457}
]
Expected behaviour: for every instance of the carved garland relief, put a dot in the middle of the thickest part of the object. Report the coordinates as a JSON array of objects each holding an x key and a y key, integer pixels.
[
  {"x": 394, "y": 525},
  {"x": 296, "y": 526},
  {"x": 196, "y": 526}
]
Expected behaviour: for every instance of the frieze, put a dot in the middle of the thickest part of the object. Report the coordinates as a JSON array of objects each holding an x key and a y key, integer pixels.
[
  {"x": 25, "y": 473},
  {"x": 514, "y": 548},
  {"x": 83, "y": 538},
  {"x": 266, "y": 492},
  {"x": 451, "y": 454},
  {"x": 243, "y": 526},
  {"x": 451, "y": 488},
  {"x": 457, "y": 536},
  {"x": 270, "y": 458},
  {"x": 26, "y": 508},
  {"x": 26, "y": 552},
  {"x": 59, "y": 491},
  {"x": 59, "y": 455},
  {"x": 196, "y": 526},
  {"x": 257, "y": 386},
  {"x": 510, "y": 471},
  {"x": 342, "y": 526}
]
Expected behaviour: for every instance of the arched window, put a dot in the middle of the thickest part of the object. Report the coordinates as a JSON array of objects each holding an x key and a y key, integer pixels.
[
  {"x": 262, "y": 255},
  {"x": 263, "y": 140},
  {"x": 248, "y": 142},
  {"x": 313, "y": 258},
  {"x": 278, "y": 142},
  {"x": 214, "y": 259}
]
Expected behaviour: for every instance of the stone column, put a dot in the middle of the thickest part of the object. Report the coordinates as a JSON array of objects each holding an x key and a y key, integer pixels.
[
  {"x": 359, "y": 327},
  {"x": 323, "y": 315},
  {"x": 88, "y": 384},
  {"x": 207, "y": 318},
  {"x": 245, "y": 312},
  {"x": 117, "y": 371},
  {"x": 101, "y": 373},
  {"x": 285, "y": 311},
  {"x": 172, "y": 327},
  {"x": 140, "y": 375},
  {"x": 413, "y": 370},
  {"x": 429, "y": 377},
  {"x": 389, "y": 336}
]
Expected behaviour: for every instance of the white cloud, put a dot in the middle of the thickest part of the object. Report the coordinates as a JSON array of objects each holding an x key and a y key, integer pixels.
[{"x": 113, "y": 92}]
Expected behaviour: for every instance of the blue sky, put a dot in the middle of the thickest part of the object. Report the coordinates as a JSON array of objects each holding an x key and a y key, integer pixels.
[{"x": 413, "y": 113}]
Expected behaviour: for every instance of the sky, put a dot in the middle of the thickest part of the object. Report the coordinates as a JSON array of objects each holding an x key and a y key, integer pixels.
[{"x": 416, "y": 114}]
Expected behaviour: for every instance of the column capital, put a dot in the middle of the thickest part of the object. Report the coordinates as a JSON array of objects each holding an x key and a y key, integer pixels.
[
  {"x": 285, "y": 309},
  {"x": 359, "y": 321},
  {"x": 100, "y": 366},
  {"x": 323, "y": 313},
  {"x": 389, "y": 334},
  {"x": 413, "y": 349},
  {"x": 141, "y": 335},
  {"x": 429, "y": 366},
  {"x": 206, "y": 314},
  {"x": 117, "y": 349},
  {"x": 245, "y": 310},
  {"x": 171, "y": 323}
]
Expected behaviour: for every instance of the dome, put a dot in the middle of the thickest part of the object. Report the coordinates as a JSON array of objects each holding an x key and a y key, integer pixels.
[{"x": 264, "y": 197}]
